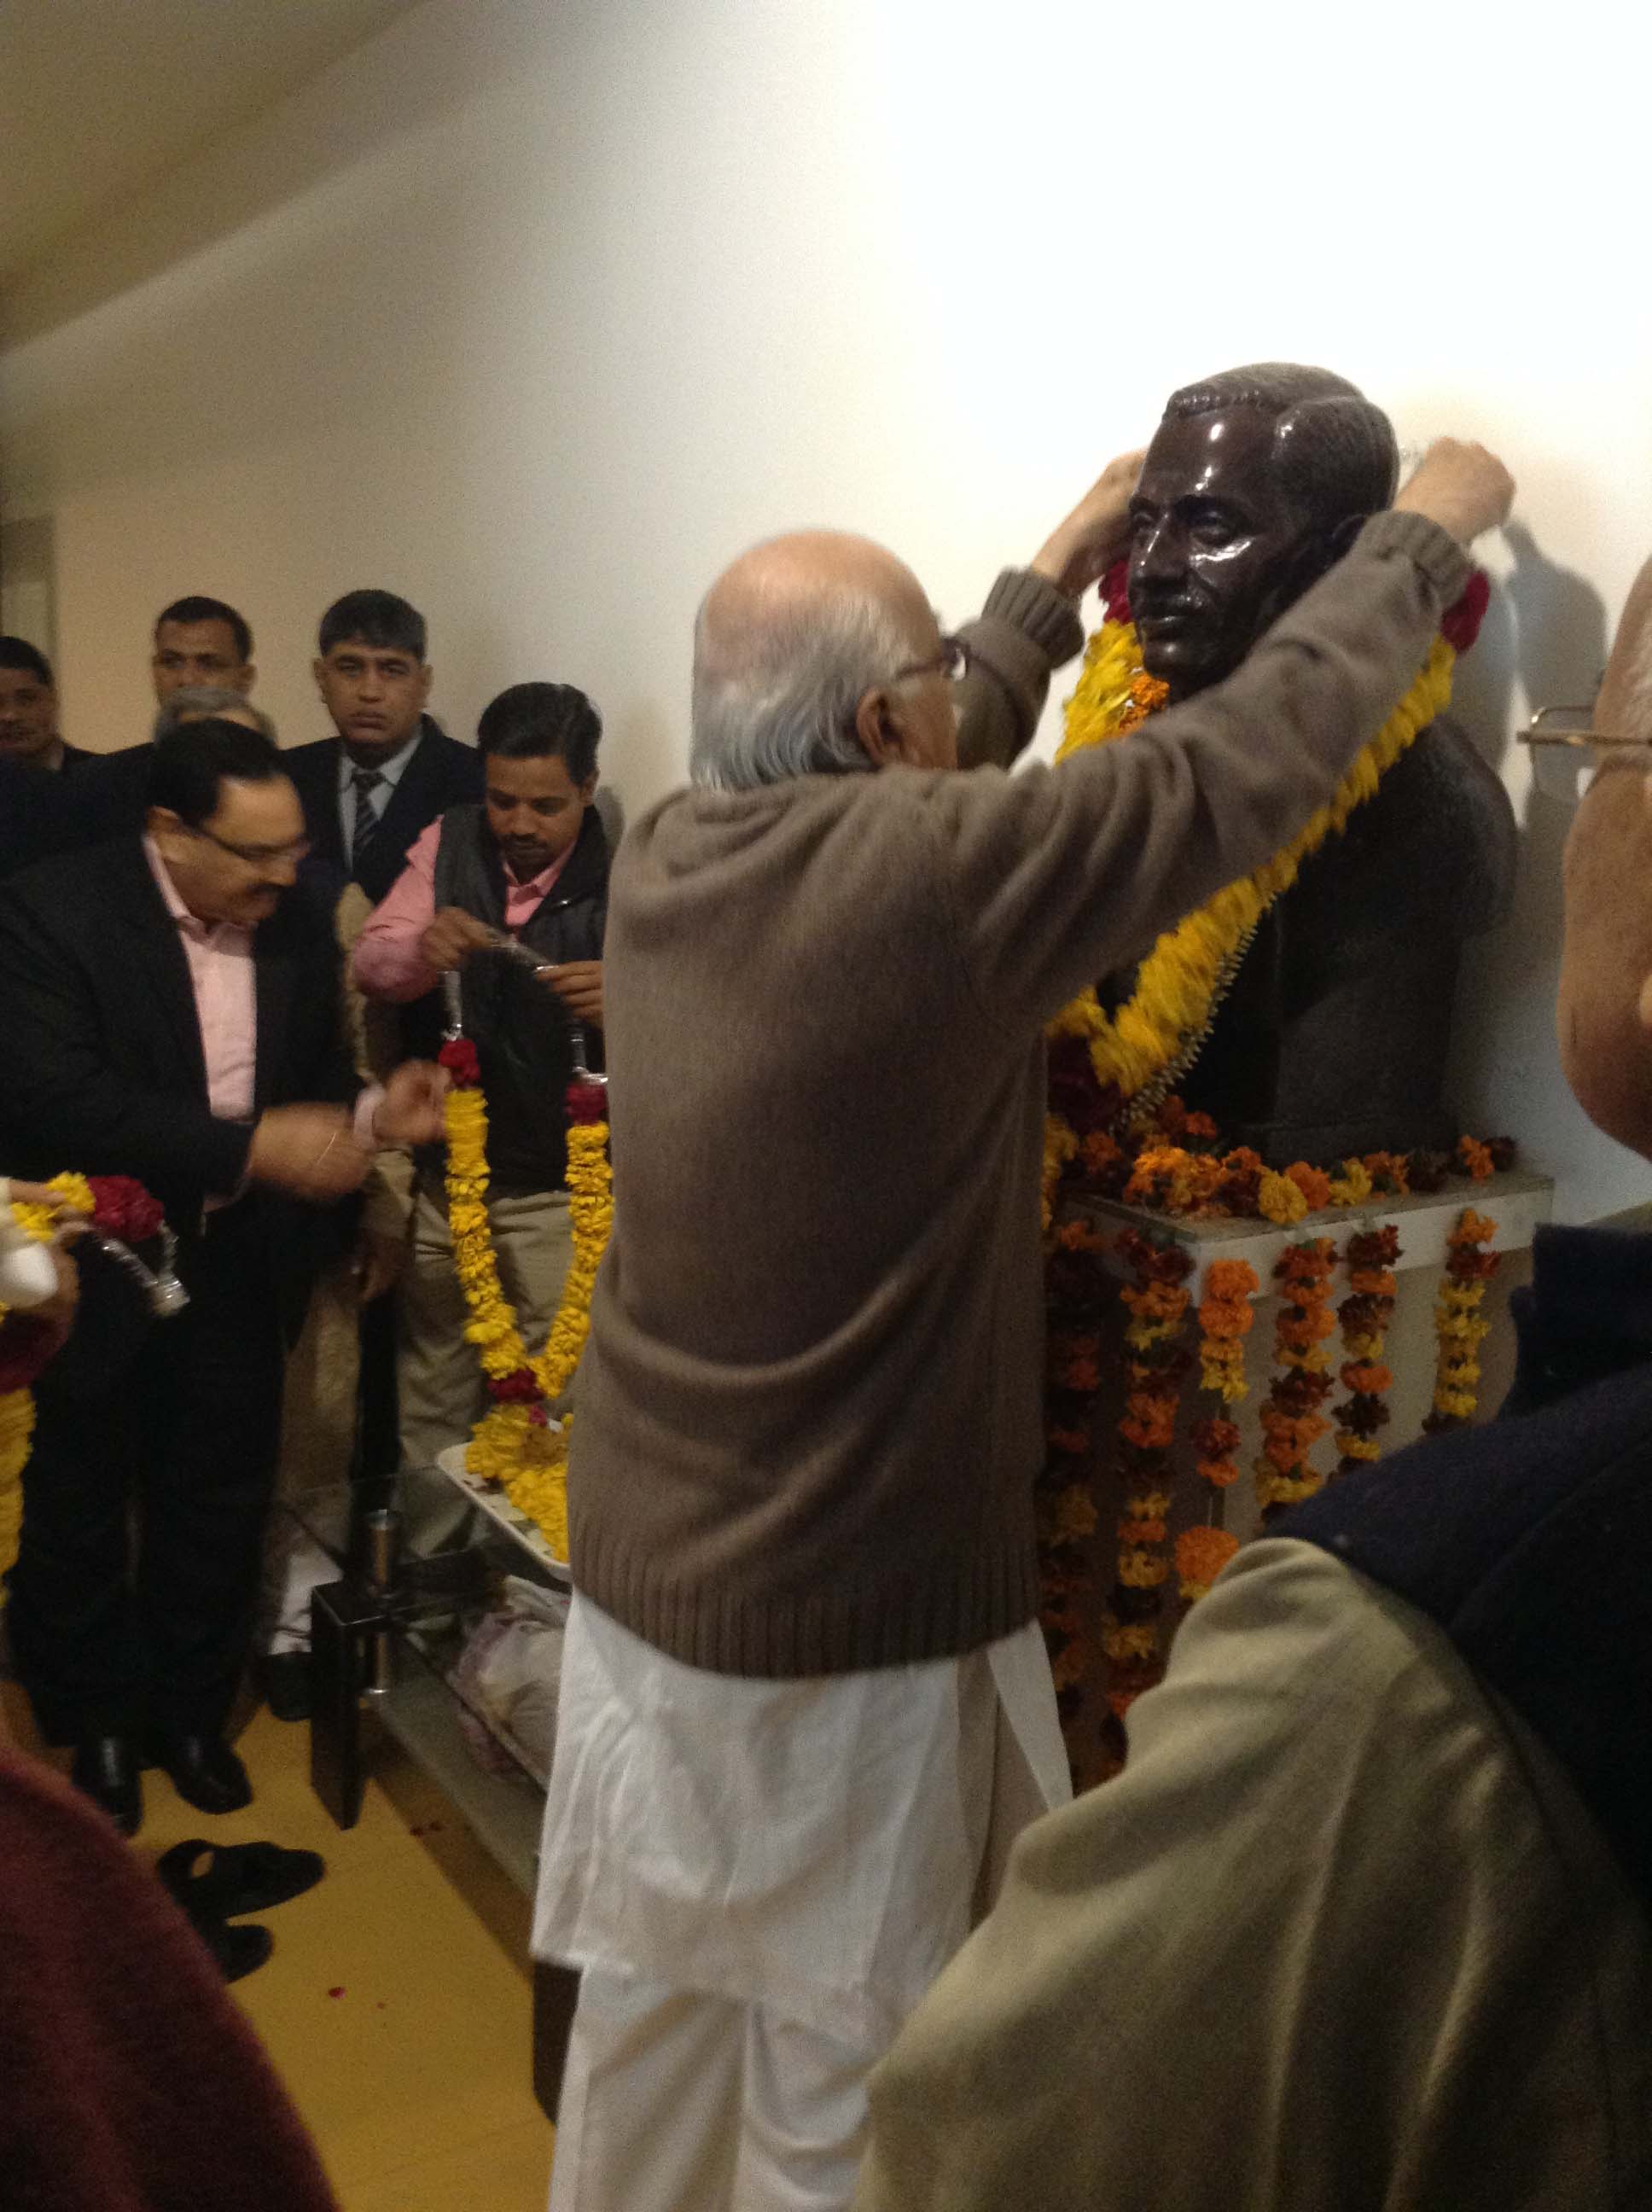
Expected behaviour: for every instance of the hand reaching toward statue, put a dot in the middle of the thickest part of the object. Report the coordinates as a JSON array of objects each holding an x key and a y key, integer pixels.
[
  {"x": 452, "y": 938},
  {"x": 410, "y": 1112},
  {"x": 309, "y": 1151},
  {"x": 1460, "y": 485},
  {"x": 1081, "y": 550}
]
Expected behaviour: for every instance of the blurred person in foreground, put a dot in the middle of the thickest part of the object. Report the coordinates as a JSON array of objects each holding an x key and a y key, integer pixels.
[
  {"x": 1365, "y": 1920},
  {"x": 130, "y": 2077},
  {"x": 171, "y": 1011},
  {"x": 806, "y": 1703}
]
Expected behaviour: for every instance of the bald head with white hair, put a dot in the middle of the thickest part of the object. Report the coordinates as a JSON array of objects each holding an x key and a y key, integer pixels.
[
  {"x": 816, "y": 654},
  {"x": 1605, "y": 1011}
]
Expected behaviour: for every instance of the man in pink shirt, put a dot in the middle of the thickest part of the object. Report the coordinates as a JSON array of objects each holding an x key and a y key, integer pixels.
[
  {"x": 171, "y": 1010},
  {"x": 530, "y": 862}
]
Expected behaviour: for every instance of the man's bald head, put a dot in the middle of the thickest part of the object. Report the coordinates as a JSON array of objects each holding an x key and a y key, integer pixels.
[
  {"x": 788, "y": 643},
  {"x": 1605, "y": 1014}
]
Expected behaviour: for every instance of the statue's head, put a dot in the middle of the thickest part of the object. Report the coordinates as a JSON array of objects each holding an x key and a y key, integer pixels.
[{"x": 1252, "y": 488}]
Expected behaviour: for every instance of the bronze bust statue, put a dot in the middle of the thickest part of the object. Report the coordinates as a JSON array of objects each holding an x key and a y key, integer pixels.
[{"x": 1334, "y": 1036}]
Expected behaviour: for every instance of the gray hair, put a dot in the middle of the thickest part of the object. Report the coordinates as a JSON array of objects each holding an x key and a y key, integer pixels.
[
  {"x": 195, "y": 701},
  {"x": 784, "y": 705}
]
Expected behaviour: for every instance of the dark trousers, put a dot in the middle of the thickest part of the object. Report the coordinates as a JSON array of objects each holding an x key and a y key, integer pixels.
[{"x": 144, "y": 1504}]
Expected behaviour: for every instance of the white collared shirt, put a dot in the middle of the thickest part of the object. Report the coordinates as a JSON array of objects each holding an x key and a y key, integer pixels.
[{"x": 390, "y": 770}]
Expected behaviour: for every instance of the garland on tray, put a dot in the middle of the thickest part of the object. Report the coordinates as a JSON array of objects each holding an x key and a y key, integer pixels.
[
  {"x": 1366, "y": 1317},
  {"x": 514, "y": 1444},
  {"x": 1459, "y": 1327},
  {"x": 1134, "y": 1055},
  {"x": 1156, "y": 1300},
  {"x": 116, "y": 1205},
  {"x": 1292, "y": 1421}
]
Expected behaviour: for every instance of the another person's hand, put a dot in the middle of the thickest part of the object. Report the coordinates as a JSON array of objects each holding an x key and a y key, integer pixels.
[
  {"x": 1462, "y": 486},
  {"x": 378, "y": 1265},
  {"x": 410, "y": 1112},
  {"x": 578, "y": 984},
  {"x": 1081, "y": 550},
  {"x": 309, "y": 1151},
  {"x": 41, "y": 1194},
  {"x": 452, "y": 938},
  {"x": 58, "y": 1311}
]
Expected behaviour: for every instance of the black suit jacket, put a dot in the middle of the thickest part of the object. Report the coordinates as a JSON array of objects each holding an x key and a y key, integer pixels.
[
  {"x": 440, "y": 773},
  {"x": 104, "y": 1067}
]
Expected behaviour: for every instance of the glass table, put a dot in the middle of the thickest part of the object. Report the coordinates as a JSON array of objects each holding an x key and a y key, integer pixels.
[{"x": 387, "y": 1638}]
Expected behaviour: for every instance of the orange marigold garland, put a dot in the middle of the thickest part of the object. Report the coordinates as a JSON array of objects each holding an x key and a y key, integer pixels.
[
  {"x": 1078, "y": 1291},
  {"x": 1459, "y": 1325},
  {"x": 1366, "y": 1315},
  {"x": 1292, "y": 1421},
  {"x": 1157, "y": 1299},
  {"x": 1201, "y": 1554}
]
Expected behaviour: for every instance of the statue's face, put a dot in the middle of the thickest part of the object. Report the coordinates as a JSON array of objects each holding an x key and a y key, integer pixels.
[{"x": 1216, "y": 551}]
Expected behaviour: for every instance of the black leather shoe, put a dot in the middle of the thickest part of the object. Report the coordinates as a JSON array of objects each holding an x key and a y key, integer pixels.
[
  {"x": 205, "y": 1772},
  {"x": 285, "y": 1676},
  {"x": 106, "y": 1769}
]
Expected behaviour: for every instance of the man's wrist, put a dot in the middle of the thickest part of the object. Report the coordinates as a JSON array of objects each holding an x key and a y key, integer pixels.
[{"x": 366, "y": 1126}]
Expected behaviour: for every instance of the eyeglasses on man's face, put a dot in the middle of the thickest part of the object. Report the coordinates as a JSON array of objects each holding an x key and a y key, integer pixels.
[
  {"x": 257, "y": 856},
  {"x": 952, "y": 662}
]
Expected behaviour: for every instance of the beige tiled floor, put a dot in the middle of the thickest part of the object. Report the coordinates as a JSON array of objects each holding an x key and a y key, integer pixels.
[{"x": 398, "y": 2004}]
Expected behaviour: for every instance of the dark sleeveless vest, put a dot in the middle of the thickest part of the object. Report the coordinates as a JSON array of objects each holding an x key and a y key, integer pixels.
[
  {"x": 1528, "y": 1540},
  {"x": 519, "y": 1026}
]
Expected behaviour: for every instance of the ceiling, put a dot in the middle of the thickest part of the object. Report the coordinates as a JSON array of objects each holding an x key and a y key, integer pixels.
[{"x": 100, "y": 97}]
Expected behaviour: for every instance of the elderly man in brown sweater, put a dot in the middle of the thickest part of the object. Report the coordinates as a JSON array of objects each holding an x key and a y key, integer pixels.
[{"x": 804, "y": 1704}]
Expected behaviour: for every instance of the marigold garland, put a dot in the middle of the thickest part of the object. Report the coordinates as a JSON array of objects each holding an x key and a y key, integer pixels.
[
  {"x": 1292, "y": 1422},
  {"x": 1459, "y": 1327},
  {"x": 513, "y": 1443},
  {"x": 1201, "y": 1554},
  {"x": 1077, "y": 1289},
  {"x": 1154, "y": 1035},
  {"x": 1365, "y": 1317},
  {"x": 119, "y": 1208},
  {"x": 1156, "y": 1300}
]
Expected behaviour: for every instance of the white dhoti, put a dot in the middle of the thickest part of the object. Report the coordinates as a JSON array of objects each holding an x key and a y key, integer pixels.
[{"x": 758, "y": 1880}]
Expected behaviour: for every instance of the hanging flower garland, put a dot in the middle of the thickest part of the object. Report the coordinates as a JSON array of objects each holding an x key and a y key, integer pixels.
[
  {"x": 1292, "y": 1422},
  {"x": 117, "y": 1206},
  {"x": 513, "y": 1443},
  {"x": 1156, "y": 1300},
  {"x": 1077, "y": 1289},
  {"x": 1459, "y": 1327},
  {"x": 1226, "y": 1318},
  {"x": 1202, "y": 1551},
  {"x": 1138, "y": 1052},
  {"x": 1365, "y": 1318}
]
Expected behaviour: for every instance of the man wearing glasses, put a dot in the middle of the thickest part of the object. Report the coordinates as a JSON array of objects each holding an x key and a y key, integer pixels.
[{"x": 171, "y": 1011}]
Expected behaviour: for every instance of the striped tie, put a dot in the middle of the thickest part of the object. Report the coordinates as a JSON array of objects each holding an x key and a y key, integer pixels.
[{"x": 367, "y": 782}]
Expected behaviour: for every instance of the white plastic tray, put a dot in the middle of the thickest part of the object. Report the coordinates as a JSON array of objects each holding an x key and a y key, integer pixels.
[{"x": 498, "y": 1508}]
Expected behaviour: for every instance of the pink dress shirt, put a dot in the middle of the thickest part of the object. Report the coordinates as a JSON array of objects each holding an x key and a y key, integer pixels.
[
  {"x": 220, "y": 956},
  {"x": 225, "y": 983},
  {"x": 388, "y": 961}
]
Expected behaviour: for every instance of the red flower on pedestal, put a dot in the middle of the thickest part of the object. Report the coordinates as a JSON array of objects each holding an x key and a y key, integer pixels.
[{"x": 458, "y": 1057}]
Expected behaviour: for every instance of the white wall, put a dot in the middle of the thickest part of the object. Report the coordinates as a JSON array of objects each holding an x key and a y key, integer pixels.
[{"x": 536, "y": 314}]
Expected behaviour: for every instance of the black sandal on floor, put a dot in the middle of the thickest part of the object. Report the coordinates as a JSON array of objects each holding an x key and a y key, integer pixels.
[
  {"x": 236, "y": 1951},
  {"x": 238, "y": 1878}
]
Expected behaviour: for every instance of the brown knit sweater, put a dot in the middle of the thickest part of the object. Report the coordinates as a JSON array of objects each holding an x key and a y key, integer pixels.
[{"x": 809, "y": 1414}]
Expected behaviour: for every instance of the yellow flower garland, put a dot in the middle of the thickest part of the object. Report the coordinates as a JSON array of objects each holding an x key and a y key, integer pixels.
[
  {"x": 17, "y": 1407},
  {"x": 1177, "y": 988},
  {"x": 507, "y": 1445}
]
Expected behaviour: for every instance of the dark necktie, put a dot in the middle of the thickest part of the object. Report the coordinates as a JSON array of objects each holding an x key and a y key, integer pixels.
[{"x": 367, "y": 782}]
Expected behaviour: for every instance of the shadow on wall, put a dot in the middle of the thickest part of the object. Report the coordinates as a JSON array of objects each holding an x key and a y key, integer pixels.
[{"x": 1548, "y": 628}]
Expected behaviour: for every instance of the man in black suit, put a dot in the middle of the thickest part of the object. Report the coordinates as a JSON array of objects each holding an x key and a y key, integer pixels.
[
  {"x": 28, "y": 710},
  {"x": 170, "y": 1009},
  {"x": 389, "y": 771}
]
